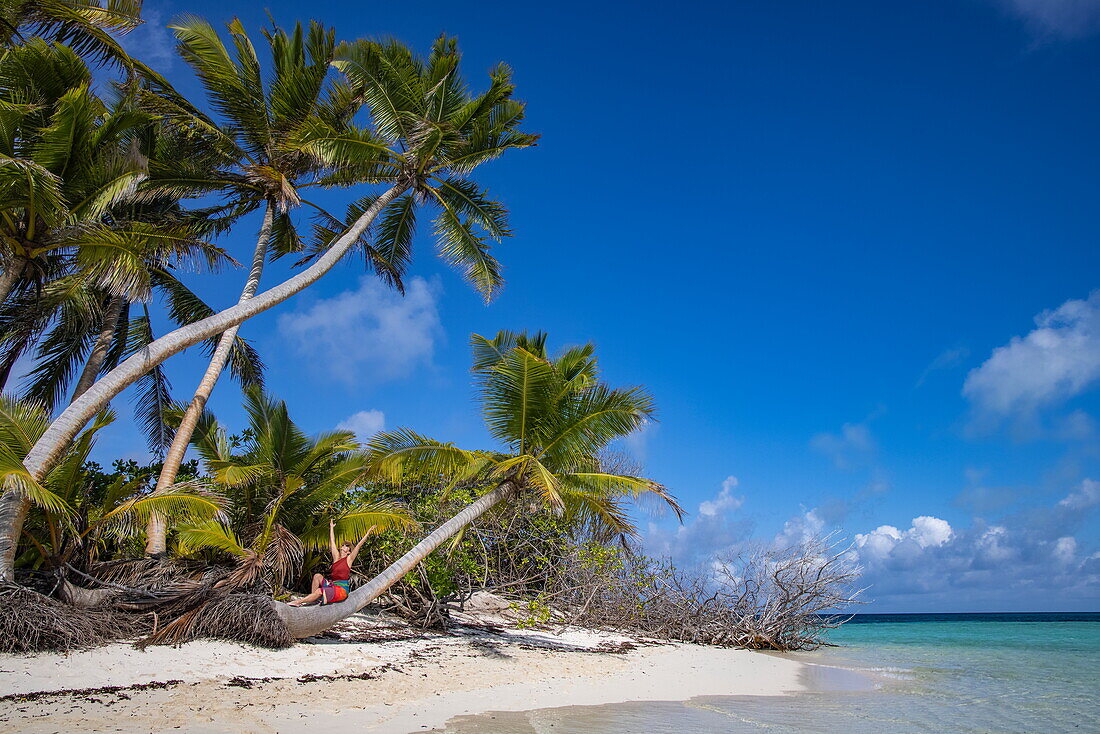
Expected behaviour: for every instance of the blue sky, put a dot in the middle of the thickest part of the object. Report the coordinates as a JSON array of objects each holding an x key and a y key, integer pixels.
[{"x": 848, "y": 246}]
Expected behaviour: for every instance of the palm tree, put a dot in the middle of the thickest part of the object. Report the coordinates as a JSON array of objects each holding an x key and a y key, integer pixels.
[
  {"x": 90, "y": 517},
  {"x": 65, "y": 161},
  {"x": 87, "y": 26},
  {"x": 553, "y": 418},
  {"x": 69, "y": 519},
  {"x": 84, "y": 225},
  {"x": 276, "y": 490},
  {"x": 477, "y": 129},
  {"x": 266, "y": 166},
  {"x": 389, "y": 244}
]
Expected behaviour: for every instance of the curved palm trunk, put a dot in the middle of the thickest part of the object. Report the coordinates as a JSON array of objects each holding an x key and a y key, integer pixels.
[
  {"x": 13, "y": 268},
  {"x": 157, "y": 528},
  {"x": 307, "y": 621},
  {"x": 101, "y": 347},
  {"x": 52, "y": 444}
]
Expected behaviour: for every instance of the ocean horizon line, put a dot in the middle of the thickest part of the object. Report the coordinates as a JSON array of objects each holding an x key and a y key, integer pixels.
[{"x": 1070, "y": 616}]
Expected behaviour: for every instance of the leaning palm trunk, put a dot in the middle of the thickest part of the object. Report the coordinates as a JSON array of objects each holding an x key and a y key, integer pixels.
[
  {"x": 52, "y": 444},
  {"x": 307, "y": 621},
  {"x": 156, "y": 530},
  {"x": 102, "y": 346},
  {"x": 13, "y": 268}
]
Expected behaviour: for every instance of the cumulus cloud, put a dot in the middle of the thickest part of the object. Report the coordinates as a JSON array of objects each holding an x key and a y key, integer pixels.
[
  {"x": 368, "y": 335},
  {"x": 724, "y": 501},
  {"x": 1024, "y": 559},
  {"x": 926, "y": 532},
  {"x": 1057, "y": 360},
  {"x": 363, "y": 424},
  {"x": 848, "y": 448},
  {"x": 1062, "y": 18},
  {"x": 800, "y": 528}
]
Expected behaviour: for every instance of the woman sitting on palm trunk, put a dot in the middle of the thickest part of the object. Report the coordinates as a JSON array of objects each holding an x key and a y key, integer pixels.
[{"x": 334, "y": 588}]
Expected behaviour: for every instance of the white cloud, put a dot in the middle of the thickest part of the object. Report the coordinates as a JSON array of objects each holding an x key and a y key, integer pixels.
[
  {"x": 1065, "y": 18},
  {"x": 880, "y": 541},
  {"x": 847, "y": 448},
  {"x": 930, "y": 531},
  {"x": 801, "y": 528},
  {"x": 1065, "y": 549},
  {"x": 724, "y": 501},
  {"x": 925, "y": 531},
  {"x": 152, "y": 42},
  {"x": 1054, "y": 362},
  {"x": 363, "y": 424},
  {"x": 1026, "y": 559},
  {"x": 1084, "y": 497},
  {"x": 369, "y": 335}
]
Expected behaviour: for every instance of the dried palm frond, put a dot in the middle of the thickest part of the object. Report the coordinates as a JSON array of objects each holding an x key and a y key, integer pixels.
[
  {"x": 248, "y": 618},
  {"x": 32, "y": 622}
]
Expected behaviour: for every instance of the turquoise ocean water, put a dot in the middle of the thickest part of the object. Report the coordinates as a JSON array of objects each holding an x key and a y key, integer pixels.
[{"x": 926, "y": 673}]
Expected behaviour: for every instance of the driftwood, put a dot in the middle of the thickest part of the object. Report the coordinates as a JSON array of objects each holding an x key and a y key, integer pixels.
[{"x": 766, "y": 598}]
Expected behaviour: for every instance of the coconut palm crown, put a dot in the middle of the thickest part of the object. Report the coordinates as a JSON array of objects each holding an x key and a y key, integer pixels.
[
  {"x": 553, "y": 418},
  {"x": 262, "y": 122},
  {"x": 87, "y": 26},
  {"x": 428, "y": 135}
]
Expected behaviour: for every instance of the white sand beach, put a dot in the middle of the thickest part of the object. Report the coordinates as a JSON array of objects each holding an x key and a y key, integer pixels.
[{"x": 399, "y": 685}]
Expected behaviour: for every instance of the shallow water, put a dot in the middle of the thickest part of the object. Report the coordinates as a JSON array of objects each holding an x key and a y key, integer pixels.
[{"x": 929, "y": 673}]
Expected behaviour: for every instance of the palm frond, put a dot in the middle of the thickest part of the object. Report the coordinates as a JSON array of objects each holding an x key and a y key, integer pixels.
[
  {"x": 394, "y": 454},
  {"x": 152, "y": 397},
  {"x": 465, "y": 250},
  {"x": 15, "y": 478},
  {"x": 187, "y": 503},
  {"x": 211, "y": 534},
  {"x": 368, "y": 518}
]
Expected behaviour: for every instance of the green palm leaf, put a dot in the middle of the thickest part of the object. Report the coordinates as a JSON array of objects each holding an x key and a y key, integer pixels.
[
  {"x": 368, "y": 518},
  {"x": 211, "y": 534},
  {"x": 391, "y": 454}
]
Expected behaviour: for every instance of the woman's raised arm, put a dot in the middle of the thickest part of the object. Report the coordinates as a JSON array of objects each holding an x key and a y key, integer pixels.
[
  {"x": 332, "y": 541},
  {"x": 355, "y": 550}
]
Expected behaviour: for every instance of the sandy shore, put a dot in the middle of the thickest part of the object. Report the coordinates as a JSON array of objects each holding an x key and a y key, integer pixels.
[{"x": 400, "y": 685}]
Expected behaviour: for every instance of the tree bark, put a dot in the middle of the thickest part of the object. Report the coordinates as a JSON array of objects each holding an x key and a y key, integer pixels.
[
  {"x": 81, "y": 597},
  {"x": 65, "y": 427},
  {"x": 308, "y": 621},
  {"x": 156, "y": 531},
  {"x": 13, "y": 268},
  {"x": 101, "y": 347}
]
